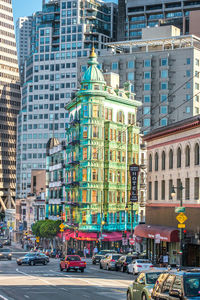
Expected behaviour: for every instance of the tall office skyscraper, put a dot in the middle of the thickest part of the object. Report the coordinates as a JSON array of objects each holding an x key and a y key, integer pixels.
[
  {"x": 61, "y": 33},
  {"x": 137, "y": 14},
  {"x": 23, "y": 33},
  {"x": 9, "y": 106}
]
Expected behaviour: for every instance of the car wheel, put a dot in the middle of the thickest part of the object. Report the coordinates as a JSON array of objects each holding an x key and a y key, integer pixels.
[
  {"x": 129, "y": 296},
  {"x": 144, "y": 297},
  {"x": 45, "y": 263},
  {"x": 100, "y": 266},
  {"x": 32, "y": 263},
  {"x": 82, "y": 270}
]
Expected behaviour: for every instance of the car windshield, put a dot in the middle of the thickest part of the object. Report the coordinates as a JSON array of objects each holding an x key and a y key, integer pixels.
[
  {"x": 116, "y": 257},
  {"x": 152, "y": 277},
  {"x": 192, "y": 286},
  {"x": 73, "y": 258},
  {"x": 29, "y": 254},
  {"x": 129, "y": 259},
  {"x": 4, "y": 250},
  {"x": 143, "y": 261}
]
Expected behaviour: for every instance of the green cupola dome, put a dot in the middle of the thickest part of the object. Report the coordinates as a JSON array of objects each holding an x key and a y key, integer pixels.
[{"x": 93, "y": 74}]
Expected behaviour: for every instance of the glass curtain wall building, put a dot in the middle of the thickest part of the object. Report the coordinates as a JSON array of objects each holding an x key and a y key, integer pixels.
[{"x": 61, "y": 33}]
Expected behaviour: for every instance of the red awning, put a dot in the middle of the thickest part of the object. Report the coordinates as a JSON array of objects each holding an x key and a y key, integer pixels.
[
  {"x": 164, "y": 233},
  {"x": 112, "y": 236},
  {"x": 86, "y": 236}
]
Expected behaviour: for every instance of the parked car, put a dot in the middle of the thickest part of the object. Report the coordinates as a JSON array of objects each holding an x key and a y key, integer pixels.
[
  {"x": 177, "y": 285},
  {"x": 5, "y": 254},
  {"x": 32, "y": 259},
  {"x": 6, "y": 241},
  {"x": 72, "y": 262},
  {"x": 139, "y": 265},
  {"x": 142, "y": 286},
  {"x": 97, "y": 257},
  {"x": 109, "y": 260},
  {"x": 123, "y": 262}
]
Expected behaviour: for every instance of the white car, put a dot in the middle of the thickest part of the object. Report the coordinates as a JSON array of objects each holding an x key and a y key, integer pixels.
[{"x": 139, "y": 265}]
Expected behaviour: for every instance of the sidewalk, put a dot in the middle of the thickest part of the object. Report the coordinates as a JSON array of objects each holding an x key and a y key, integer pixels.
[{"x": 16, "y": 245}]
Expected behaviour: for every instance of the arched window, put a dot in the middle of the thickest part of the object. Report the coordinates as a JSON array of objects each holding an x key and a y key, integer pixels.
[
  {"x": 156, "y": 161},
  {"x": 196, "y": 154},
  {"x": 179, "y": 157},
  {"x": 150, "y": 163},
  {"x": 163, "y": 160},
  {"x": 187, "y": 156},
  {"x": 171, "y": 159}
]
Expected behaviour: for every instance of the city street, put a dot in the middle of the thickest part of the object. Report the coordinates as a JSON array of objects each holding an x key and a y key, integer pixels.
[{"x": 47, "y": 282}]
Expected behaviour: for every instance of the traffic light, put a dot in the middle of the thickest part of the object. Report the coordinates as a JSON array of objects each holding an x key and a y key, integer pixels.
[
  {"x": 184, "y": 233},
  {"x": 124, "y": 233}
]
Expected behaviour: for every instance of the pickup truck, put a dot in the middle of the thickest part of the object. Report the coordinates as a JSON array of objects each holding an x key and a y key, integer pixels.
[{"x": 72, "y": 262}]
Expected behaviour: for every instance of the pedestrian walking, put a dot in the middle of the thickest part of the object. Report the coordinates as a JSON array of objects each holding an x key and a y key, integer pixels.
[
  {"x": 95, "y": 250},
  {"x": 85, "y": 252}
]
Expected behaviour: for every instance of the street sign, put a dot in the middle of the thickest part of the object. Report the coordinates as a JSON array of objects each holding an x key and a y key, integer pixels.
[
  {"x": 124, "y": 242},
  {"x": 181, "y": 217},
  {"x": 131, "y": 241},
  {"x": 181, "y": 225},
  {"x": 157, "y": 238},
  {"x": 179, "y": 209},
  {"x": 62, "y": 226},
  {"x": 61, "y": 230}
]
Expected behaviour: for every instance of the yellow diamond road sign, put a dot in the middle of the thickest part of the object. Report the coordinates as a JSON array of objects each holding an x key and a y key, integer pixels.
[
  {"x": 181, "y": 218},
  {"x": 62, "y": 226}
]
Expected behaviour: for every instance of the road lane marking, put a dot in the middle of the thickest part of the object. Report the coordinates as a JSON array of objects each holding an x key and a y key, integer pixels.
[
  {"x": 3, "y": 298},
  {"x": 35, "y": 277},
  {"x": 26, "y": 296}
]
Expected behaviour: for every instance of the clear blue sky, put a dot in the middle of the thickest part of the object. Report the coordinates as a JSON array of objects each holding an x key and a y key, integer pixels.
[{"x": 23, "y": 8}]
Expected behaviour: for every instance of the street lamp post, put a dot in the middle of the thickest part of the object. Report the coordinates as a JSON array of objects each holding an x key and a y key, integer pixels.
[{"x": 173, "y": 194}]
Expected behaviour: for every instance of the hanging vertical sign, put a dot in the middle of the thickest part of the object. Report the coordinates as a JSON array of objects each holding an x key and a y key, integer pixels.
[{"x": 134, "y": 171}]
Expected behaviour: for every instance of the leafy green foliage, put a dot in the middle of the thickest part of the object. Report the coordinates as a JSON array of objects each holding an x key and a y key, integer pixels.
[{"x": 46, "y": 228}]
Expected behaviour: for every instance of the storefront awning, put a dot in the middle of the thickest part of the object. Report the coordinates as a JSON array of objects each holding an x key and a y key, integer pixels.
[
  {"x": 164, "y": 233},
  {"x": 112, "y": 237},
  {"x": 86, "y": 236}
]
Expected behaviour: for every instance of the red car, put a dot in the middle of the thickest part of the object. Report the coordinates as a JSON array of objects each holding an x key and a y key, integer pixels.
[{"x": 72, "y": 262}]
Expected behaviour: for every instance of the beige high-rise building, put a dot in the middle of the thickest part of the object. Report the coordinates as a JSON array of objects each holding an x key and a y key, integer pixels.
[{"x": 9, "y": 106}]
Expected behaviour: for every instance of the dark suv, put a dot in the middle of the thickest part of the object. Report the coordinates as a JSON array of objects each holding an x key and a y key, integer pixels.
[
  {"x": 183, "y": 285},
  {"x": 97, "y": 257}
]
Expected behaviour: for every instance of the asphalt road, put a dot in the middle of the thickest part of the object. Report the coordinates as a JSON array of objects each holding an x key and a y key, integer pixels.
[{"x": 48, "y": 283}]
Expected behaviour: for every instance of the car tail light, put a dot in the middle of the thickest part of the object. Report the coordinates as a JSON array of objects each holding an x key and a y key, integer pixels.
[
  {"x": 151, "y": 266},
  {"x": 139, "y": 266},
  {"x": 112, "y": 260}
]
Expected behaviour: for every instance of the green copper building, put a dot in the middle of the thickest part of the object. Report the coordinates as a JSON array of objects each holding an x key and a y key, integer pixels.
[{"x": 102, "y": 141}]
